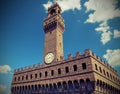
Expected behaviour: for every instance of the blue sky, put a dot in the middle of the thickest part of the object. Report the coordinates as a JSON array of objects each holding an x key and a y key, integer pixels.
[{"x": 93, "y": 24}]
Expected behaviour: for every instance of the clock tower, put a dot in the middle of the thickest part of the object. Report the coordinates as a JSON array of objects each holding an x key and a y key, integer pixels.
[{"x": 53, "y": 27}]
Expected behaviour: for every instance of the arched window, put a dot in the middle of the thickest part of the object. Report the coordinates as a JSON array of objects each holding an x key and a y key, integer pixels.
[
  {"x": 59, "y": 71},
  {"x": 100, "y": 69},
  {"x": 104, "y": 72},
  {"x": 46, "y": 73},
  {"x": 89, "y": 85},
  {"x": 40, "y": 74},
  {"x": 31, "y": 76},
  {"x": 47, "y": 88},
  {"x": 32, "y": 87},
  {"x": 83, "y": 66},
  {"x": 59, "y": 85},
  {"x": 39, "y": 86},
  {"x": 35, "y": 87},
  {"x": 29, "y": 87},
  {"x": 64, "y": 85},
  {"x": 36, "y": 75},
  {"x": 75, "y": 67},
  {"x": 98, "y": 82},
  {"x": 96, "y": 67},
  {"x": 107, "y": 74},
  {"x": 26, "y": 88},
  {"x": 26, "y": 77},
  {"x": 15, "y": 78},
  {"x": 52, "y": 72},
  {"x": 50, "y": 86},
  {"x": 111, "y": 76},
  {"x": 22, "y": 77},
  {"x": 66, "y": 69},
  {"x": 18, "y": 78},
  {"x": 70, "y": 85},
  {"x": 82, "y": 85},
  {"x": 55, "y": 87},
  {"x": 76, "y": 84}
]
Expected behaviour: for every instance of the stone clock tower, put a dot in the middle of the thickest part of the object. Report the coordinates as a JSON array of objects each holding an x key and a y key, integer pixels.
[{"x": 53, "y": 27}]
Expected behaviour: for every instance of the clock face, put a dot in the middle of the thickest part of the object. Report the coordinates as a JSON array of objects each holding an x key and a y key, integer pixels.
[{"x": 49, "y": 58}]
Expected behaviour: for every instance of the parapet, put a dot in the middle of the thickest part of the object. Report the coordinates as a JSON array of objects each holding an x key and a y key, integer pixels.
[{"x": 87, "y": 53}]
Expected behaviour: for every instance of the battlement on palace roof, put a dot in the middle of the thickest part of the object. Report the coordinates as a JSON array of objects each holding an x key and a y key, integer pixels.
[{"x": 87, "y": 53}]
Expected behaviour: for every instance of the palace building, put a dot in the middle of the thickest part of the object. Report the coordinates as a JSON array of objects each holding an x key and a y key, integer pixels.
[{"x": 80, "y": 74}]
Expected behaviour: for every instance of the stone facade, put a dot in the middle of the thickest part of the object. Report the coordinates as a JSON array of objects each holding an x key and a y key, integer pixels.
[{"x": 80, "y": 74}]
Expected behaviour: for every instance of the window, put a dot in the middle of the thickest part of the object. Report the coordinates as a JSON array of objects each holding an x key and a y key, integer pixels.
[
  {"x": 110, "y": 76},
  {"x": 84, "y": 66},
  {"x": 75, "y": 67},
  {"x": 59, "y": 71},
  {"x": 22, "y": 77},
  {"x": 66, "y": 69},
  {"x": 113, "y": 78},
  {"x": 18, "y": 78},
  {"x": 100, "y": 69},
  {"x": 35, "y": 75},
  {"x": 40, "y": 75},
  {"x": 52, "y": 72},
  {"x": 46, "y": 73},
  {"x": 31, "y": 76},
  {"x": 107, "y": 74},
  {"x": 15, "y": 78},
  {"x": 104, "y": 72},
  {"x": 26, "y": 77},
  {"x": 96, "y": 67}
]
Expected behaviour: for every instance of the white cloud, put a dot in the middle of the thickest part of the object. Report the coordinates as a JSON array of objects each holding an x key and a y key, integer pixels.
[
  {"x": 65, "y": 4},
  {"x": 103, "y": 10},
  {"x": 5, "y": 69},
  {"x": 2, "y": 87},
  {"x": 116, "y": 33},
  {"x": 105, "y": 37},
  {"x": 46, "y": 6},
  {"x": 105, "y": 33},
  {"x": 113, "y": 57}
]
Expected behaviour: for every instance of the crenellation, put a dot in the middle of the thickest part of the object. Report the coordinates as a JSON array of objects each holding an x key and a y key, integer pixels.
[
  {"x": 61, "y": 58},
  {"x": 38, "y": 65},
  {"x": 18, "y": 69},
  {"x": 77, "y": 54},
  {"x": 88, "y": 52},
  {"x": 101, "y": 60},
  {"x": 70, "y": 56},
  {"x": 34, "y": 66}
]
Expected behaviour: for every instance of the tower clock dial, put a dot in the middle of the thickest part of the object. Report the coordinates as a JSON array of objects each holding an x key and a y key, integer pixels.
[{"x": 49, "y": 58}]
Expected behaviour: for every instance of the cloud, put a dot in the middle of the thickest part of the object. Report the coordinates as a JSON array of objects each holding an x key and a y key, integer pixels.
[
  {"x": 105, "y": 37},
  {"x": 46, "y": 6},
  {"x": 5, "y": 69},
  {"x": 2, "y": 88},
  {"x": 65, "y": 4},
  {"x": 105, "y": 33},
  {"x": 116, "y": 33},
  {"x": 101, "y": 11},
  {"x": 113, "y": 57}
]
